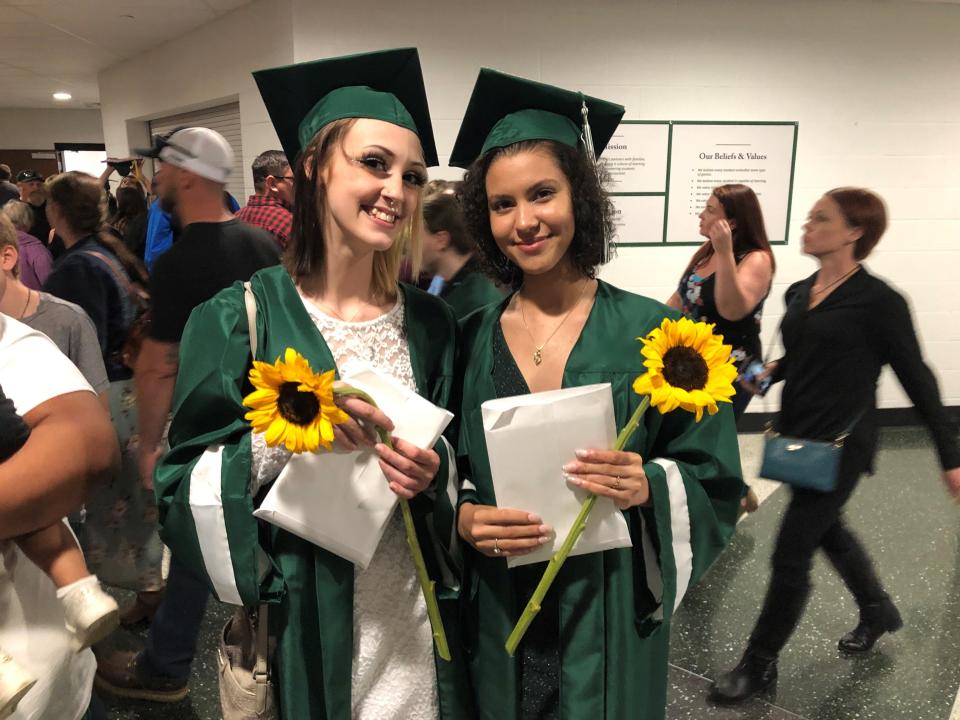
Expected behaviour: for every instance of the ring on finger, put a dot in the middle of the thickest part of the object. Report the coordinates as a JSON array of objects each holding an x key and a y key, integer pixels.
[
  {"x": 616, "y": 483},
  {"x": 497, "y": 550}
]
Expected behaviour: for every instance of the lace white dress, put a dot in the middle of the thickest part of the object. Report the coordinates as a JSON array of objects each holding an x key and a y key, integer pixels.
[{"x": 393, "y": 665}]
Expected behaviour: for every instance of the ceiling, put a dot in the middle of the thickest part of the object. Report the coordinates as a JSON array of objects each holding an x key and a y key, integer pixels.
[{"x": 48, "y": 46}]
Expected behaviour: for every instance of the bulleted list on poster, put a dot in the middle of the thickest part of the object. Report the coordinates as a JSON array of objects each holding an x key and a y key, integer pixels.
[
  {"x": 636, "y": 161},
  {"x": 704, "y": 156},
  {"x": 636, "y": 158}
]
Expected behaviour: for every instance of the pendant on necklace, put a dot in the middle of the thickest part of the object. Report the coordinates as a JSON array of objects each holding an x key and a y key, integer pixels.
[{"x": 537, "y": 357}]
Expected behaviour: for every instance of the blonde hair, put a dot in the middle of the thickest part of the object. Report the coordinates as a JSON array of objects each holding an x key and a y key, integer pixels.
[
  {"x": 306, "y": 253},
  {"x": 8, "y": 238}
]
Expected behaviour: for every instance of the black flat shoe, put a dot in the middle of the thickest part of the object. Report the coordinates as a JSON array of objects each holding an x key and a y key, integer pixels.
[
  {"x": 875, "y": 620},
  {"x": 754, "y": 674}
]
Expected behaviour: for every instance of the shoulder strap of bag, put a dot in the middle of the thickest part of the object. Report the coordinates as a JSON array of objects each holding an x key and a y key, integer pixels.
[
  {"x": 118, "y": 274},
  {"x": 251, "y": 302},
  {"x": 261, "y": 671},
  {"x": 778, "y": 334}
]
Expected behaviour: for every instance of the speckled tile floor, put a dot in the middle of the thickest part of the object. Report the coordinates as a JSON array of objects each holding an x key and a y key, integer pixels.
[
  {"x": 911, "y": 528},
  {"x": 203, "y": 701},
  {"x": 908, "y": 525}
]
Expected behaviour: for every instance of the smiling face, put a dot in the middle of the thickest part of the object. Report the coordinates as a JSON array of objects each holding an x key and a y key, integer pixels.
[
  {"x": 826, "y": 231},
  {"x": 531, "y": 210},
  {"x": 372, "y": 186},
  {"x": 711, "y": 214}
]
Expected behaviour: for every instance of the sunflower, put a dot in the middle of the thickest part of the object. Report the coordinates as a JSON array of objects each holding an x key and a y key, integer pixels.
[
  {"x": 292, "y": 405},
  {"x": 687, "y": 366}
]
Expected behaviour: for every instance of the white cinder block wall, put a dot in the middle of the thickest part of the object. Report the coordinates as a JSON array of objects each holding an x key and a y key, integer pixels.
[{"x": 874, "y": 85}]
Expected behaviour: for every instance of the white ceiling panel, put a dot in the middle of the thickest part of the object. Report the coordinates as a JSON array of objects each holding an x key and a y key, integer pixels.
[{"x": 52, "y": 45}]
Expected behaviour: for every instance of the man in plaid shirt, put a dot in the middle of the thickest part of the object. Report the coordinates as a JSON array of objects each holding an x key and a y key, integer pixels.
[{"x": 270, "y": 207}]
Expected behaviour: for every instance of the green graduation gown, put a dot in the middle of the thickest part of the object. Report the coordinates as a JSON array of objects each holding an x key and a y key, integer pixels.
[
  {"x": 615, "y": 607},
  {"x": 468, "y": 290},
  {"x": 202, "y": 487}
]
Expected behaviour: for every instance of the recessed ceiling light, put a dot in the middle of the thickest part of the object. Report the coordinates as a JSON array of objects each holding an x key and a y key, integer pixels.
[{"x": 62, "y": 96}]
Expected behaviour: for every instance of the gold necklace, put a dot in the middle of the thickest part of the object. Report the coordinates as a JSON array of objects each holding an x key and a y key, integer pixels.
[
  {"x": 538, "y": 353},
  {"x": 814, "y": 291},
  {"x": 341, "y": 317}
]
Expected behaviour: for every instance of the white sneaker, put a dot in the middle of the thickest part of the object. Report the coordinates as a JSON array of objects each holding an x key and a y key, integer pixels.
[
  {"x": 15, "y": 682},
  {"x": 89, "y": 613}
]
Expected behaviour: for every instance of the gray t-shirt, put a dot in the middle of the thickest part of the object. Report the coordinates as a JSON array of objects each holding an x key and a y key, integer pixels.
[{"x": 71, "y": 330}]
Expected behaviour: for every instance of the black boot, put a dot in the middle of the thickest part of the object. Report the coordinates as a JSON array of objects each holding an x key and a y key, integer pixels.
[
  {"x": 878, "y": 614},
  {"x": 754, "y": 674},
  {"x": 875, "y": 620}
]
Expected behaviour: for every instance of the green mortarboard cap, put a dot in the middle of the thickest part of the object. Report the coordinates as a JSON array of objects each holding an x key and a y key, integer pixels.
[
  {"x": 385, "y": 85},
  {"x": 504, "y": 110}
]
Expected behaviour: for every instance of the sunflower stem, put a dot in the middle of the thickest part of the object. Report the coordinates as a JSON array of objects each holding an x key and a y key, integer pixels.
[
  {"x": 560, "y": 556},
  {"x": 427, "y": 586}
]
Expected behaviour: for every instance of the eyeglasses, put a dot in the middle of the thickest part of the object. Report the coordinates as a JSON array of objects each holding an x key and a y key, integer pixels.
[{"x": 291, "y": 178}]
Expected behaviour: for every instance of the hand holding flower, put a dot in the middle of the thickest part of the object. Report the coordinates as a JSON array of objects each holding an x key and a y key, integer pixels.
[
  {"x": 615, "y": 474},
  {"x": 409, "y": 469},
  {"x": 357, "y": 431}
]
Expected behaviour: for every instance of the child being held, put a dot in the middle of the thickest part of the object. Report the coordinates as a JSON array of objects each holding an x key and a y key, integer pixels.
[{"x": 89, "y": 613}]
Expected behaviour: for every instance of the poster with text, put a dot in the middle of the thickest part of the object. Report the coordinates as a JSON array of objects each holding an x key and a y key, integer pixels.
[
  {"x": 705, "y": 155},
  {"x": 636, "y": 158},
  {"x": 639, "y": 219}
]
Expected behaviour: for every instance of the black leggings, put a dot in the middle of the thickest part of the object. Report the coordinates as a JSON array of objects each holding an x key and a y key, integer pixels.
[{"x": 813, "y": 520}]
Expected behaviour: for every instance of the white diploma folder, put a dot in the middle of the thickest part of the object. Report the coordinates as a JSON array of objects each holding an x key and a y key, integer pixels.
[
  {"x": 339, "y": 500},
  {"x": 529, "y": 440}
]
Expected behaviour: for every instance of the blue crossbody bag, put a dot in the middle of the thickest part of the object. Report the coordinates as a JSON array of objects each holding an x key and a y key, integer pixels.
[
  {"x": 808, "y": 464},
  {"x": 802, "y": 463}
]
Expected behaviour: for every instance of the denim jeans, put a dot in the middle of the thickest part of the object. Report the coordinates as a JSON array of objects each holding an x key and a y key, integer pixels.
[{"x": 175, "y": 630}]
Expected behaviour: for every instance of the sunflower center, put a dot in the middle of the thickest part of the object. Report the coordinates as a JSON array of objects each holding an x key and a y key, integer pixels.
[
  {"x": 296, "y": 406},
  {"x": 684, "y": 367}
]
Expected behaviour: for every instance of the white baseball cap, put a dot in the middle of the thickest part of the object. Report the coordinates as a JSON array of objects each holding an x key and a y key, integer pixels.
[{"x": 199, "y": 150}]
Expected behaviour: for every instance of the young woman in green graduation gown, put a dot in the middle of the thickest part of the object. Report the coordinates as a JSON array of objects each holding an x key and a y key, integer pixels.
[
  {"x": 349, "y": 643},
  {"x": 598, "y": 647}
]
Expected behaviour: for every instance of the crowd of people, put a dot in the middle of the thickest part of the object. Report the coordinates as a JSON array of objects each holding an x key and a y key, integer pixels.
[{"x": 129, "y": 326}]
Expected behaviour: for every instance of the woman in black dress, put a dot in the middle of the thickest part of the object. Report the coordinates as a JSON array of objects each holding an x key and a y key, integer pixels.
[
  {"x": 841, "y": 326},
  {"x": 729, "y": 276}
]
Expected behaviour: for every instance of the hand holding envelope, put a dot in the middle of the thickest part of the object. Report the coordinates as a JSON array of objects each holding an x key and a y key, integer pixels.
[
  {"x": 529, "y": 438},
  {"x": 341, "y": 500}
]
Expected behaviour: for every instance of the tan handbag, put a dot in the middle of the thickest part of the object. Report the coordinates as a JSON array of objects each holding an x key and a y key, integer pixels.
[{"x": 246, "y": 688}]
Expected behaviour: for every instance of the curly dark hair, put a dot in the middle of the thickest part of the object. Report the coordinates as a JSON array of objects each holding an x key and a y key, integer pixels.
[{"x": 593, "y": 212}]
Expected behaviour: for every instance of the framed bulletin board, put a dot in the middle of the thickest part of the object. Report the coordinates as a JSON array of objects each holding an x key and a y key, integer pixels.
[{"x": 662, "y": 173}]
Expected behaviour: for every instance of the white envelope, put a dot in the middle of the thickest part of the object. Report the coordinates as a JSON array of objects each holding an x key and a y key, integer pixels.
[
  {"x": 341, "y": 501},
  {"x": 529, "y": 439}
]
